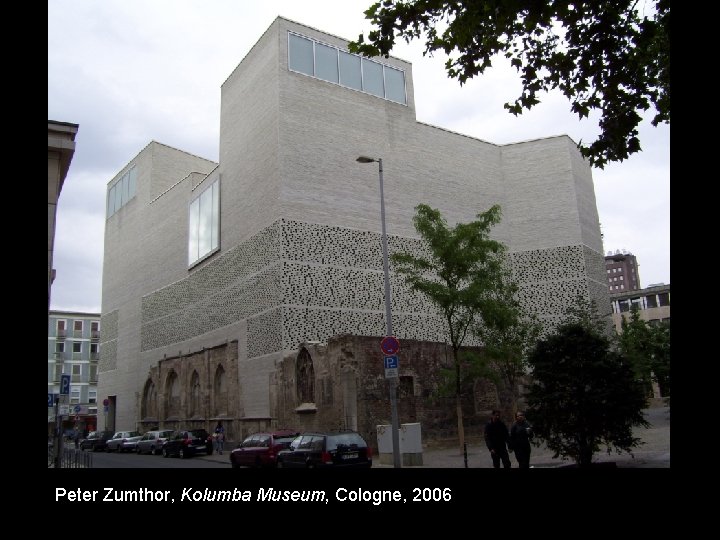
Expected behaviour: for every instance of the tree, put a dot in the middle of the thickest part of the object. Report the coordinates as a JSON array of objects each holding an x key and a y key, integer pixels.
[
  {"x": 459, "y": 275},
  {"x": 660, "y": 356},
  {"x": 602, "y": 55},
  {"x": 508, "y": 336},
  {"x": 635, "y": 343},
  {"x": 584, "y": 394}
]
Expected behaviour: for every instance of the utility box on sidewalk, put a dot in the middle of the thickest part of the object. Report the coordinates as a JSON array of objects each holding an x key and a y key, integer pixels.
[{"x": 410, "y": 444}]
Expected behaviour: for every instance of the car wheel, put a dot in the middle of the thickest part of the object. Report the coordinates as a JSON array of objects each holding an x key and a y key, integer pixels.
[
  {"x": 182, "y": 454},
  {"x": 165, "y": 453},
  {"x": 137, "y": 450}
]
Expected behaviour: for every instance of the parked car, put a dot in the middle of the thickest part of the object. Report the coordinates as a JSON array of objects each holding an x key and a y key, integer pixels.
[
  {"x": 96, "y": 440},
  {"x": 187, "y": 442},
  {"x": 120, "y": 437},
  {"x": 152, "y": 441},
  {"x": 261, "y": 449},
  {"x": 327, "y": 449}
]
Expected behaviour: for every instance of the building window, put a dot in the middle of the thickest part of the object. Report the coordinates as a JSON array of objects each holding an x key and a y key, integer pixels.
[
  {"x": 77, "y": 346},
  {"x": 92, "y": 396},
  {"x": 204, "y": 234},
  {"x": 59, "y": 346},
  {"x": 75, "y": 396},
  {"x": 333, "y": 65},
  {"x": 58, "y": 371},
  {"x": 664, "y": 299},
  {"x": 621, "y": 278},
  {"x": 121, "y": 191},
  {"x": 93, "y": 373},
  {"x": 61, "y": 326},
  {"x": 305, "y": 377}
]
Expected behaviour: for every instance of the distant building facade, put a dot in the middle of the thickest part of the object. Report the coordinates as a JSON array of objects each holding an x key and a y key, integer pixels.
[
  {"x": 219, "y": 279},
  {"x": 622, "y": 272},
  {"x": 74, "y": 349},
  {"x": 653, "y": 303},
  {"x": 61, "y": 148}
]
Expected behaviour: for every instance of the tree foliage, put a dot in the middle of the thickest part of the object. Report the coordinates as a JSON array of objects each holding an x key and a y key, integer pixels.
[
  {"x": 508, "y": 335},
  {"x": 584, "y": 394},
  {"x": 602, "y": 55},
  {"x": 460, "y": 274},
  {"x": 647, "y": 348}
]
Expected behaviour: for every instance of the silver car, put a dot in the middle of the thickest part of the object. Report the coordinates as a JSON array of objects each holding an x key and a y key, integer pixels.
[
  {"x": 120, "y": 438},
  {"x": 152, "y": 441}
]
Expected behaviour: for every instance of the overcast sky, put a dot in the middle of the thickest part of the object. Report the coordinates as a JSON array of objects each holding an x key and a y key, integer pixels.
[{"x": 133, "y": 71}]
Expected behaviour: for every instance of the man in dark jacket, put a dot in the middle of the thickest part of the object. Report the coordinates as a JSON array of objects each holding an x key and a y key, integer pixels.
[
  {"x": 496, "y": 438},
  {"x": 520, "y": 435}
]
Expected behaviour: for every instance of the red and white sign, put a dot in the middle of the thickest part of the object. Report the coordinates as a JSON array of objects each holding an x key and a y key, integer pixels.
[{"x": 390, "y": 345}]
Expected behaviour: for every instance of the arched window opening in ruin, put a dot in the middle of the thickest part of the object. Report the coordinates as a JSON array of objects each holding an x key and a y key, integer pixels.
[
  {"x": 305, "y": 377},
  {"x": 149, "y": 402},
  {"x": 220, "y": 395},
  {"x": 195, "y": 409},
  {"x": 172, "y": 393}
]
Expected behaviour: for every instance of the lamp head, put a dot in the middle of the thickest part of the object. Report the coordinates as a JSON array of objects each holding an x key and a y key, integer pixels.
[{"x": 365, "y": 159}]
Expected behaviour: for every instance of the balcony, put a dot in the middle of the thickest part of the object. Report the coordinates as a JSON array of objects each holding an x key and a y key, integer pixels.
[
  {"x": 61, "y": 334},
  {"x": 59, "y": 356},
  {"x": 94, "y": 356},
  {"x": 95, "y": 335}
]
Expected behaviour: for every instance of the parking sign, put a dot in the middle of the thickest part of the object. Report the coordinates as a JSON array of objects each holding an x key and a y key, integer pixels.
[{"x": 64, "y": 385}]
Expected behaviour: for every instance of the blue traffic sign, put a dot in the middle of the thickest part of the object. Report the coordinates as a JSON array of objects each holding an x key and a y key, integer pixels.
[
  {"x": 64, "y": 385},
  {"x": 51, "y": 400},
  {"x": 77, "y": 409},
  {"x": 391, "y": 362}
]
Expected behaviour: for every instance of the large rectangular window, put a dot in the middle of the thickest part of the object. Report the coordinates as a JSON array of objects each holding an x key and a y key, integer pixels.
[
  {"x": 204, "y": 223},
  {"x": 121, "y": 191},
  {"x": 331, "y": 64}
]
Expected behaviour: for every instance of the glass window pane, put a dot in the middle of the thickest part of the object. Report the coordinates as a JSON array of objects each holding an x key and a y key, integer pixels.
[
  {"x": 111, "y": 201},
  {"x": 394, "y": 85},
  {"x": 118, "y": 195},
  {"x": 132, "y": 181},
  {"x": 215, "y": 240},
  {"x": 205, "y": 224},
  {"x": 194, "y": 219},
  {"x": 300, "y": 54},
  {"x": 373, "y": 77},
  {"x": 326, "y": 63},
  {"x": 350, "y": 71},
  {"x": 125, "y": 187}
]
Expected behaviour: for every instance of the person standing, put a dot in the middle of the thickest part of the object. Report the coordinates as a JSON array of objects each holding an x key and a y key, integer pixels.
[
  {"x": 520, "y": 436},
  {"x": 219, "y": 436},
  {"x": 496, "y": 439}
]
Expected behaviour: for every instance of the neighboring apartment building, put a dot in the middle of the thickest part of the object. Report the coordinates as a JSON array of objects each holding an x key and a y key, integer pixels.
[
  {"x": 74, "y": 349},
  {"x": 61, "y": 147},
  {"x": 653, "y": 303},
  {"x": 217, "y": 275},
  {"x": 622, "y": 272}
]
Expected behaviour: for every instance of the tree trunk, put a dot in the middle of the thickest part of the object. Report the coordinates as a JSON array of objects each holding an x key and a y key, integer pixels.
[{"x": 461, "y": 428}]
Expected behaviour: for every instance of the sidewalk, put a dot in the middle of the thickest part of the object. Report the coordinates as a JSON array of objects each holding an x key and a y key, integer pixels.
[{"x": 654, "y": 453}]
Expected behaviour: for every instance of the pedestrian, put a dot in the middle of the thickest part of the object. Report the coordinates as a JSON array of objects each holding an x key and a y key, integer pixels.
[
  {"x": 496, "y": 439},
  {"x": 77, "y": 438},
  {"x": 520, "y": 435},
  {"x": 219, "y": 437}
]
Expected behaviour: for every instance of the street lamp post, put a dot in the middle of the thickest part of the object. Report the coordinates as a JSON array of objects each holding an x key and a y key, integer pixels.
[{"x": 392, "y": 382}]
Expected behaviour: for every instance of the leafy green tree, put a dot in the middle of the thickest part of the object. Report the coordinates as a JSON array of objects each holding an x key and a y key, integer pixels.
[
  {"x": 508, "y": 335},
  {"x": 459, "y": 275},
  {"x": 635, "y": 343},
  {"x": 603, "y": 55},
  {"x": 660, "y": 356},
  {"x": 584, "y": 394}
]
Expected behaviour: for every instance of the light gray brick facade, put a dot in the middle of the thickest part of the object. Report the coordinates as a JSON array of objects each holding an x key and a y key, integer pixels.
[{"x": 300, "y": 249}]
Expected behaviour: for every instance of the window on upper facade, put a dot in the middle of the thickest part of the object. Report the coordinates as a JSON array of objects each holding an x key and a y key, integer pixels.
[
  {"x": 78, "y": 326},
  {"x": 61, "y": 325},
  {"x": 331, "y": 64},
  {"x": 204, "y": 220},
  {"x": 121, "y": 191},
  {"x": 59, "y": 346},
  {"x": 94, "y": 348},
  {"x": 94, "y": 326},
  {"x": 77, "y": 346}
]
